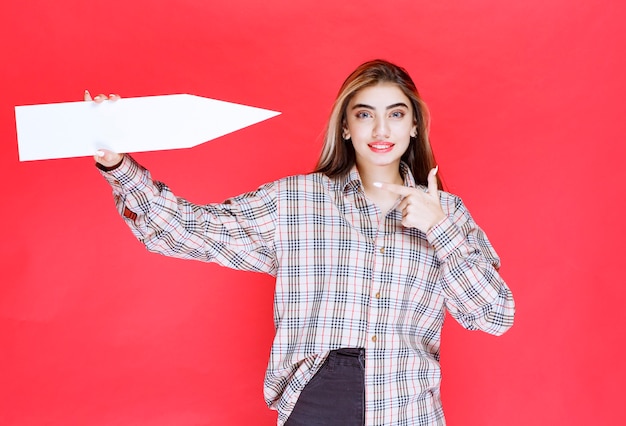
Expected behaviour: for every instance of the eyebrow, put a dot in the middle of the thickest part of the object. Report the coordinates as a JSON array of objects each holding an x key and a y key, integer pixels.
[{"x": 399, "y": 104}]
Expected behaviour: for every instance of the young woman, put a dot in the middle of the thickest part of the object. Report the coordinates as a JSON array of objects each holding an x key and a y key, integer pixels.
[{"x": 368, "y": 255}]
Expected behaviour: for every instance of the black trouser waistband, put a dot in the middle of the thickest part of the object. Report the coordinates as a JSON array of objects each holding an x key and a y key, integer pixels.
[{"x": 350, "y": 351}]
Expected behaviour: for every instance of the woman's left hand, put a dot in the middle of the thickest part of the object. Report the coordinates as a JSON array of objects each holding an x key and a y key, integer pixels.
[{"x": 420, "y": 208}]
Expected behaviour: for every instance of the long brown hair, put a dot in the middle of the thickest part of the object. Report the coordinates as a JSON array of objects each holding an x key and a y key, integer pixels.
[{"x": 338, "y": 156}]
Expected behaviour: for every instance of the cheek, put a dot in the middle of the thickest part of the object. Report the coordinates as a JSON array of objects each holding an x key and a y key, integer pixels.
[
  {"x": 404, "y": 129},
  {"x": 359, "y": 129}
]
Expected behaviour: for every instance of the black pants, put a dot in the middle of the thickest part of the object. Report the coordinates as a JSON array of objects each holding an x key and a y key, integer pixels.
[{"x": 335, "y": 396}]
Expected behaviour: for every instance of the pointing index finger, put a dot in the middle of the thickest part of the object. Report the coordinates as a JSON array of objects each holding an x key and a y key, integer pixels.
[{"x": 396, "y": 189}]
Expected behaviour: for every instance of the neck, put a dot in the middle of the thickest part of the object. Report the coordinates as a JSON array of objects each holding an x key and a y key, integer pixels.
[
  {"x": 384, "y": 174},
  {"x": 384, "y": 199}
]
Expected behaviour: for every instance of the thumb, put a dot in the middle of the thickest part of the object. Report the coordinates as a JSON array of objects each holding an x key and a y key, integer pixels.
[{"x": 432, "y": 180}]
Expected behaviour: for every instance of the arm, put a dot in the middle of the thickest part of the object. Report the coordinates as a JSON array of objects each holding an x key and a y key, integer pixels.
[
  {"x": 238, "y": 233},
  {"x": 477, "y": 297}
]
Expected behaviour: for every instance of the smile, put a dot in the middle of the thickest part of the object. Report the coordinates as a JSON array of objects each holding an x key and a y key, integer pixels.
[{"x": 381, "y": 147}]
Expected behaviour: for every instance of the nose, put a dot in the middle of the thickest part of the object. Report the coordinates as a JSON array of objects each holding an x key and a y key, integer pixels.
[{"x": 381, "y": 128}]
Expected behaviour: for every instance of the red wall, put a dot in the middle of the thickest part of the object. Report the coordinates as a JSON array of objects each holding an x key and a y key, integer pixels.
[{"x": 527, "y": 100}]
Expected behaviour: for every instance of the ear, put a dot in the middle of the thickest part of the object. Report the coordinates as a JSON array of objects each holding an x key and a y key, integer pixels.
[
  {"x": 414, "y": 131},
  {"x": 345, "y": 133}
]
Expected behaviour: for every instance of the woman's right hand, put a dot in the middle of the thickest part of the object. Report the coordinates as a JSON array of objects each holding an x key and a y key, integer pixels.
[{"x": 103, "y": 156}]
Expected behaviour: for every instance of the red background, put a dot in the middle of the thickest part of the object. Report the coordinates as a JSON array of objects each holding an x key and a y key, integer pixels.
[{"x": 527, "y": 105}]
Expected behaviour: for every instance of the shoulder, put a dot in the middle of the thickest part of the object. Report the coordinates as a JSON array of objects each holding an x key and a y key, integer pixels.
[
  {"x": 449, "y": 198},
  {"x": 289, "y": 185},
  {"x": 451, "y": 203},
  {"x": 311, "y": 187},
  {"x": 456, "y": 209},
  {"x": 305, "y": 182}
]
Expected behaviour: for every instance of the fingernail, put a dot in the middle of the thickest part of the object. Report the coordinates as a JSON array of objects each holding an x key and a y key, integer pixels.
[
  {"x": 100, "y": 153},
  {"x": 436, "y": 169},
  {"x": 377, "y": 184}
]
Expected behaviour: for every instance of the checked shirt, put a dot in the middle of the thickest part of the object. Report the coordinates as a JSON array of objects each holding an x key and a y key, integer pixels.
[{"x": 346, "y": 277}]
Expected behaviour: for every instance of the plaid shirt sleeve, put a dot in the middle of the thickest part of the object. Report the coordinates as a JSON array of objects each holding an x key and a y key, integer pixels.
[
  {"x": 477, "y": 297},
  {"x": 238, "y": 233}
]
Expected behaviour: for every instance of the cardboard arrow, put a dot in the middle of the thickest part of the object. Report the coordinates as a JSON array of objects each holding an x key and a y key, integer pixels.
[{"x": 150, "y": 123}]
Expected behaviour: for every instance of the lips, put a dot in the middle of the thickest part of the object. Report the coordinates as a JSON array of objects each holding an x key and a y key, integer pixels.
[{"x": 380, "y": 146}]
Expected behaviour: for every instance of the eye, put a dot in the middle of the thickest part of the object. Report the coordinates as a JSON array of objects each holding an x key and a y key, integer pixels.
[
  {"x": 363, "y": 114},
  {"x": 397, "y": 114}
]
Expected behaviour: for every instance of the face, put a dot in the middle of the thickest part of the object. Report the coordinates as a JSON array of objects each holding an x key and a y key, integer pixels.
[{"x": 379, "y": 120}]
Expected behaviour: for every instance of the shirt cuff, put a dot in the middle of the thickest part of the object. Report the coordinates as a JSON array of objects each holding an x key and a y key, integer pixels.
[
  {"x": 445, "y": 237},
  {"x": 125, "y": 174}
]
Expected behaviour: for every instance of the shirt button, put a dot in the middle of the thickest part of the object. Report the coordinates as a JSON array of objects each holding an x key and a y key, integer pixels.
[
  {"x": 374, "y": 339},
  {"x": 382, "y": 250},
  {"x": 378, "y": 295}
]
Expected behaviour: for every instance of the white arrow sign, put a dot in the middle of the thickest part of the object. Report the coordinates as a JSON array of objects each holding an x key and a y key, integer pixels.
[{"x": 151, "y": 123}]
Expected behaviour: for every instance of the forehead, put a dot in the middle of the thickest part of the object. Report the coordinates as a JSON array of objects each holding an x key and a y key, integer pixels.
[{"x": 380, "y": 95}]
